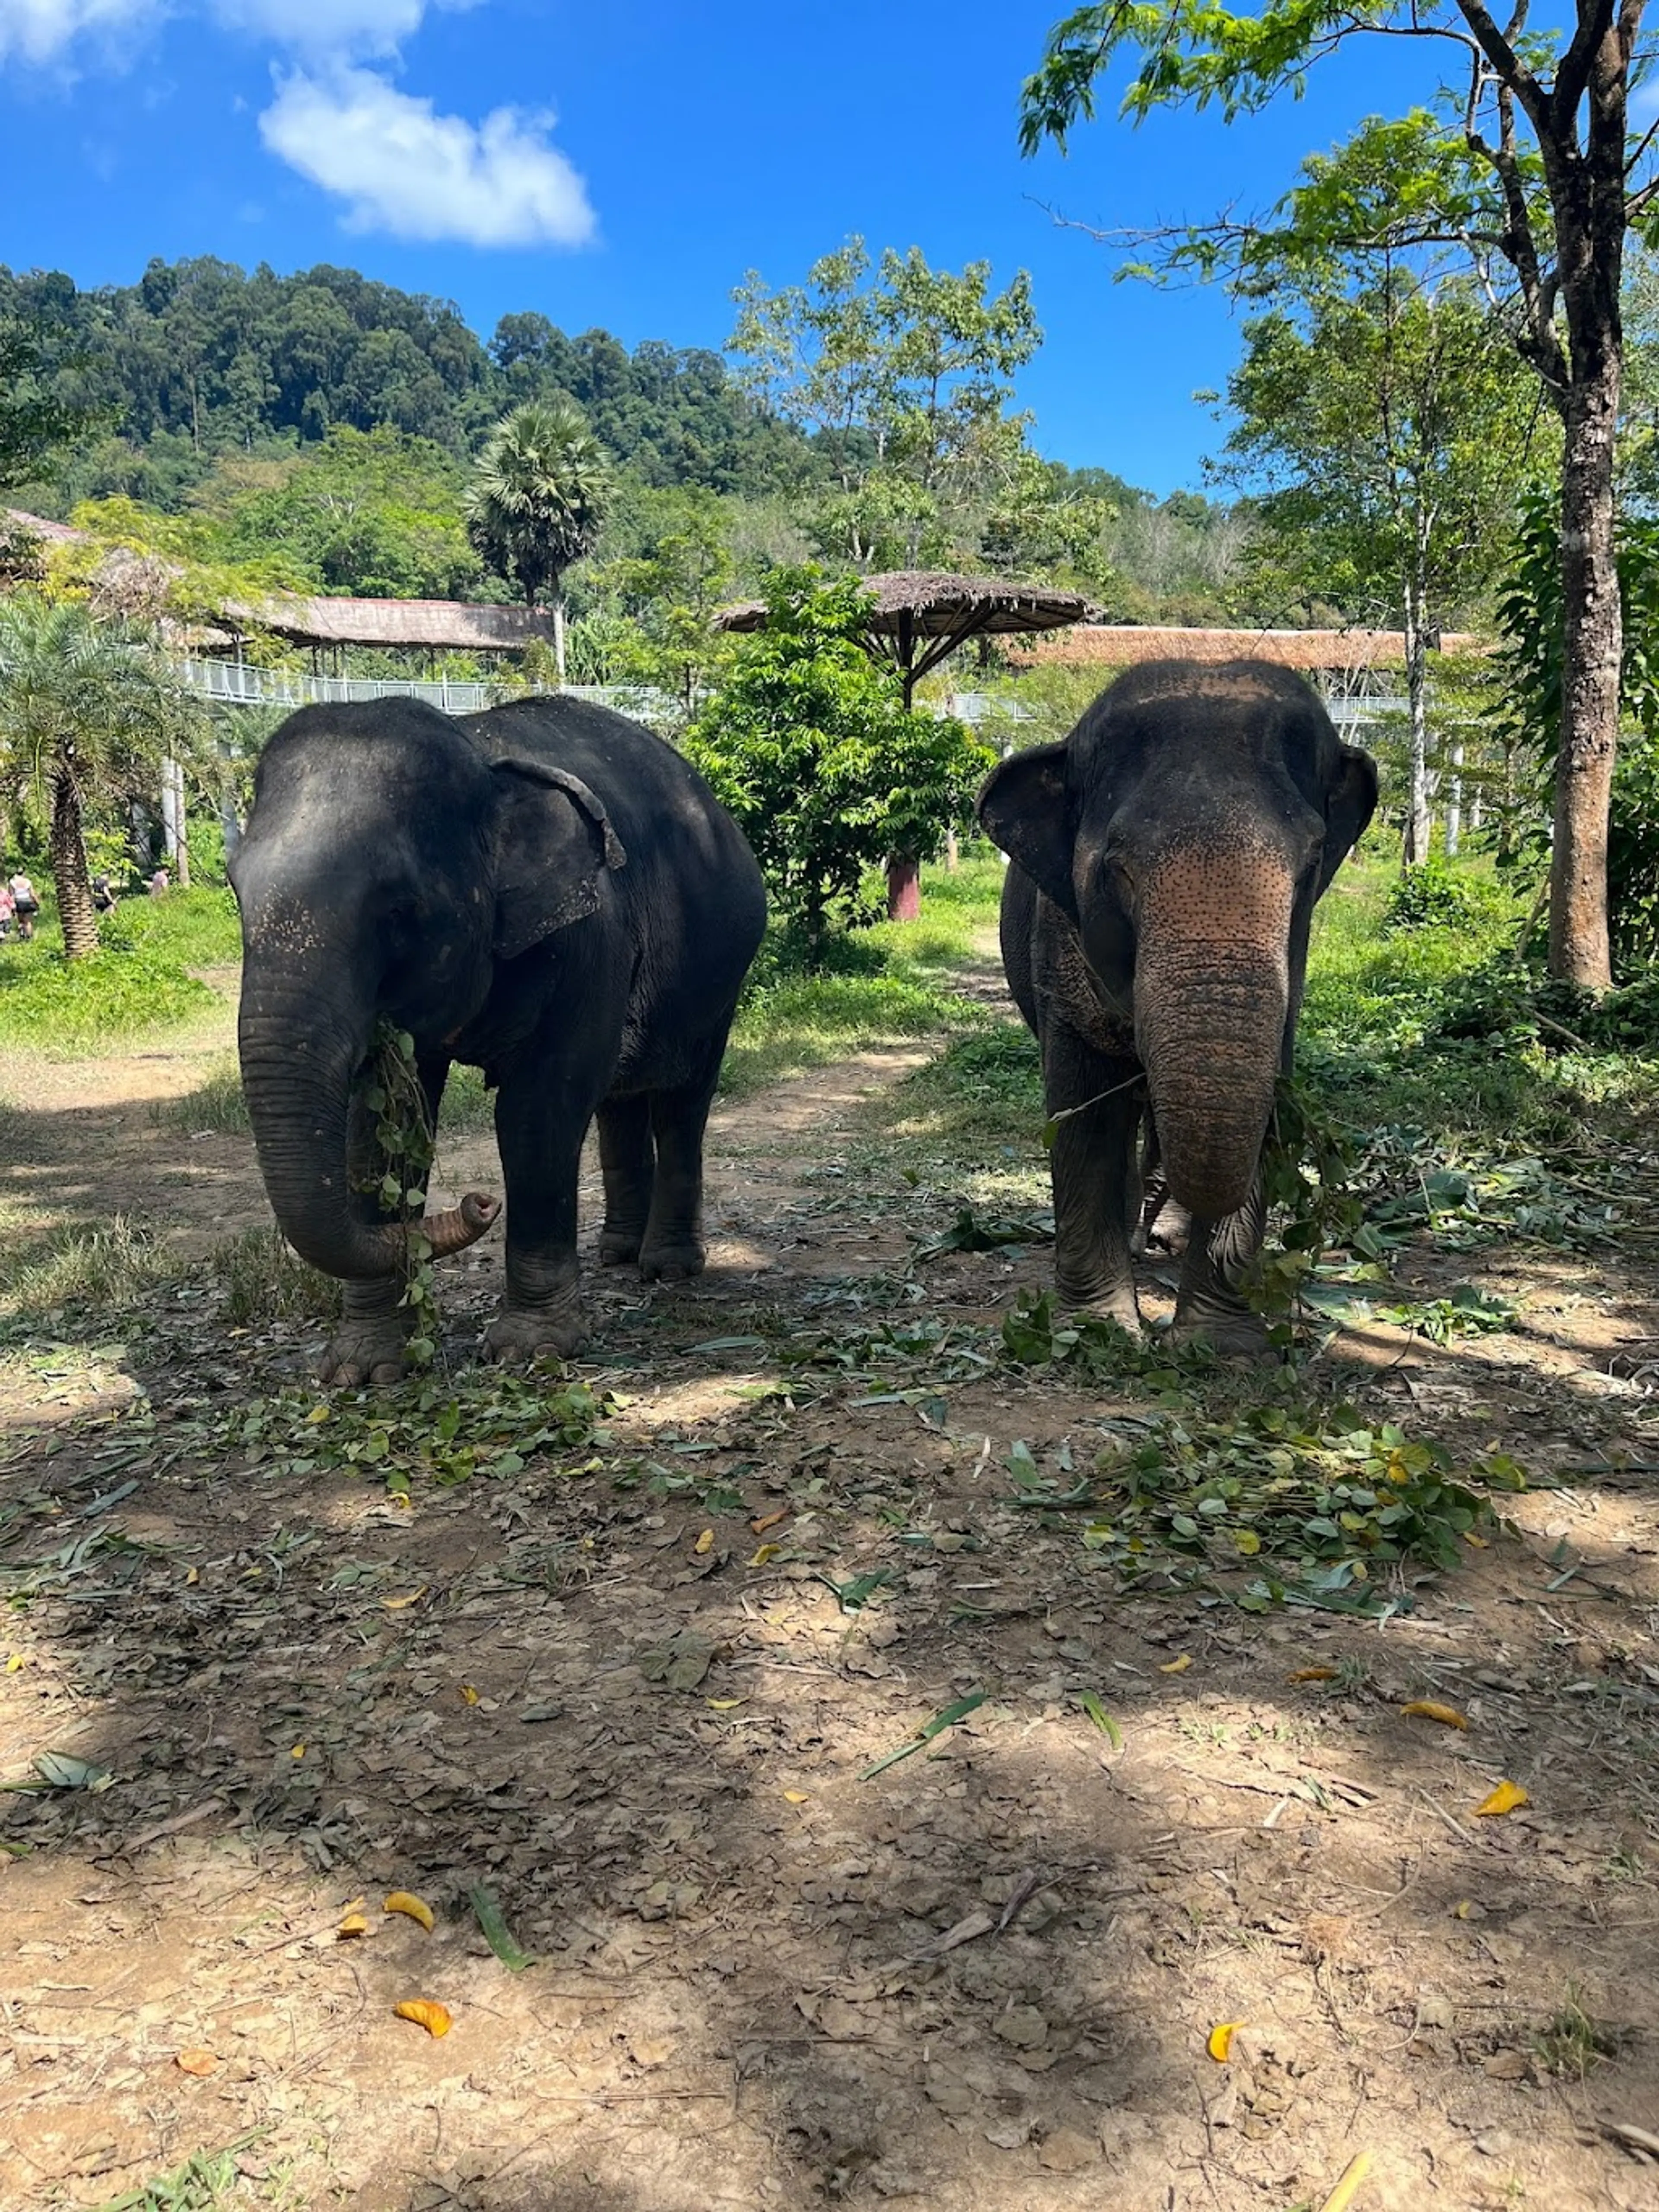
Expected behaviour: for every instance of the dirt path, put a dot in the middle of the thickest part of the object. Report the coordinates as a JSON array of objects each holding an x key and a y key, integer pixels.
[{"x": 639, "y": 1689}]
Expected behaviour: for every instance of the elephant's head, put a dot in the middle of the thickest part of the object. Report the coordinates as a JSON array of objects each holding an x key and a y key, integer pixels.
[
  {"x": 387, "y": 867},
  {"x": 1187, "y": 826}
]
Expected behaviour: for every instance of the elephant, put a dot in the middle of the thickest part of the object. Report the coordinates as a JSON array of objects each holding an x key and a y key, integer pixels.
[
  {"x": 545, "y": 891},
  {"x": 1165, "y": 860}
]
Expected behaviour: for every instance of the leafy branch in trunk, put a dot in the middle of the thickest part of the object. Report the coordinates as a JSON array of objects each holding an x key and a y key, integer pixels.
[{"x": 405, "y": 1142}]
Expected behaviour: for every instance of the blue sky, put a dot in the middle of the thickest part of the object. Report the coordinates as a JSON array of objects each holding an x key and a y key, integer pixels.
[{"x": 624, "y": 164}]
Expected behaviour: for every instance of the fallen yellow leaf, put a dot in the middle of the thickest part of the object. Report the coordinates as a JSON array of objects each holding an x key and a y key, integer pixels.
[
  {"x": 200, "y": 2063},
  {"x": 425, "y": 2012},
  {"x": 769, "y": 1520},
  {"x": 354, "y": 1924},
  {"x": 1220, "y": 2041},
  {"x": 192, "y": 1577},
  {"x": 726, "y": 1705},
  {"x": 316, "y": 1413},
  {"x": 704, "y": 1543},
  {"x": 413, "y": 1597},
  {"x": 765, "y": 1555},
  {"x": 1313, "y": 1674},
  {"x": 796, "y": 1796},
  {"x": 469, "y": 1695},
  {"x": 1177, "y": 1666},
  {"x": 1505, "y": 1798},
  {"x": 298, "y": 1751},
  {"x": 1426, "y": 1709},
  {"x": 415, "y": 1908},
  {"x": 1478, "y": 1542},
  {"x": 1465, "y": 1911},
  {"x": 1348, "y": 2187},
  {"x": 17, "y": 1661}
]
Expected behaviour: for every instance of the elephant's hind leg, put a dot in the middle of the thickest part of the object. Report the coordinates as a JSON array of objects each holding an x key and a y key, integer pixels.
[
  {"x": 673, "y": 1249},
  {"x": 1209, "y": 1305},
  {"x": 627, "y": 1160}
]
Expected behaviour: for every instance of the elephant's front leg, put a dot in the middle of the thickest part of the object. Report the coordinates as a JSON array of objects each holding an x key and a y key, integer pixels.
[
  {"x": 540, "y": 1123},
  {"x": 1209, "y": 1305},
  {"x": 1097, "y": 1102}
]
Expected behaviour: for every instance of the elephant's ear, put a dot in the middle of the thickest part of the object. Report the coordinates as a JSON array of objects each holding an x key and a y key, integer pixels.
[
  {"x": 553, "y": 844},
  {"x": 1025, "y": 808},
  {"x": 1349, "y": 805}
]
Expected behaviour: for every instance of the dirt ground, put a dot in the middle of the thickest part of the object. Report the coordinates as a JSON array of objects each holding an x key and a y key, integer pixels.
[{"x": 639, "y": 1689}]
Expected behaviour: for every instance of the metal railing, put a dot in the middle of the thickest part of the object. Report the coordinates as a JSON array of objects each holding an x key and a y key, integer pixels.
[{"x": 238, "y": 684}]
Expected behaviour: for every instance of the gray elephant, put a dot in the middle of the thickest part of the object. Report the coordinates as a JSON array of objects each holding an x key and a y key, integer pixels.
[
  {"x": 1167, "y": 859},
  {"x": 546, "y": 891}
]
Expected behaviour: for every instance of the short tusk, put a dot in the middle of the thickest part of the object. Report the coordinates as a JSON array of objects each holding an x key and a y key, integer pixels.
[{"x": 461, "y": 1225}]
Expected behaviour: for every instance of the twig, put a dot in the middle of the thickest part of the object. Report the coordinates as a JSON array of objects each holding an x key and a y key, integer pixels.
[{"x": 168, "y": 1827}]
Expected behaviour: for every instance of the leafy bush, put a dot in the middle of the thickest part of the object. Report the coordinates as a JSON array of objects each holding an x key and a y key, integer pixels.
[
  {"x": 75, "y": 1006},
  {"x": 1436, "y": 897},
  {"x": 824, "y": 770}
]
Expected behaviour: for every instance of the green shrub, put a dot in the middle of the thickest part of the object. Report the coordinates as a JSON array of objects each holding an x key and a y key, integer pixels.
[
  {"x": 72, "y": 1006},
  {"x": 1437, "y": 896}
]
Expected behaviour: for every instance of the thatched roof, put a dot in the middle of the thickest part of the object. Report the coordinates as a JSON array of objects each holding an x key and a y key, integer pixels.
[
  {"x": 941, "y": 605},
  {"x": 1126, "y": 645},
  {"x": 54, "y": 533},
  {"x": 432, "y": 624}
]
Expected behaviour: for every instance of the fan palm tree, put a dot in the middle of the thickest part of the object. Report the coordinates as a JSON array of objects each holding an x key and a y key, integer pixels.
[
  {"x": 538, "y": 497},
  {"x": 80, "y": 709}
]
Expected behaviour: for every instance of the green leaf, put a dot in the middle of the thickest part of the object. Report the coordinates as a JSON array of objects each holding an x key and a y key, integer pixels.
[
  {"x": 1101, "y": 1719},
  {"x": 929, "y": 1729},
  {"x": 494, "y": 1924}
]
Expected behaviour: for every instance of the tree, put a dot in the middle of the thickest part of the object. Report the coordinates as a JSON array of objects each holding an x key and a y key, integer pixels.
[
  {"x": 81, "y": 710},
  {"x": 904, "y": 378},
  {"x": 1382, "y": 412},
  {"x": 35, "y": 419},
  {"x": 1536, "y": 179},
  {"x": 539, "y": 498},
  {"x": 825, "y": 772}
]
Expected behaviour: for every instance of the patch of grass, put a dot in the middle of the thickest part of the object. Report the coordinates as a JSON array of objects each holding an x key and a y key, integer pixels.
[
  {"x": 983, "y": 1093},
  {"x": 1572, "y": 2042},
  {"x": 467, "y": 1107},
  {"x": 139, "y": 980},
  {"x": 215, "y": 1105},
  {"x": 107, "y": 1269},
  {"x": 876, "y": 986},
  {"x": 265, "y": 1280}
]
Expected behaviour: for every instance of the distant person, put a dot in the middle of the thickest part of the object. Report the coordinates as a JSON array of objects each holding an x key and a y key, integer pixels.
[
  {"x": 8, "y": 911},
  {"x": 103, "y": 895},
  {"x": 160, "y": 884},
  {"x": 26, "y": 905}
]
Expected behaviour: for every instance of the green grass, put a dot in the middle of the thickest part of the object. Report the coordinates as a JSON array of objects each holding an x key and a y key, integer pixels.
[
  {"x": 216, "y": 1104},
  {"x": 882, "y": 985},
  {"x": 105, "y": 1269},
  {"x": 138, "y": 981}
]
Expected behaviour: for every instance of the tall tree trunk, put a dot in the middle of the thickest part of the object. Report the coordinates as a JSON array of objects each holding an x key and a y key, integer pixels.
[
  {"x": 175, "y": 828},
  {"x": 1455, "y": 804},
  {"x": 69, "y": 867},
  {"x": 1592, "y": 648},
  {"x": 558, "y": 634},
  {"x": 1419, "y": 823}
]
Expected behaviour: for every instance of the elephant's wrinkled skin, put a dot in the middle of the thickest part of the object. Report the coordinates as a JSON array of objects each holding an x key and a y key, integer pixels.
[
  {"x": 1166, "y": 861},
  {"x": 546, "y": 891}
]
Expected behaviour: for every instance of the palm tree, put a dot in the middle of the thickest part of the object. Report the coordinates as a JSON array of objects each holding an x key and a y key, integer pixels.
[
  {"x": 80, "y": 709},
  {"x": 538, "y": 497}
]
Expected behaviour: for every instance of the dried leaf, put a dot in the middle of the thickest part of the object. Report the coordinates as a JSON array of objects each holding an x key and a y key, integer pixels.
[
  {"x": 469, "y": 1695},
  {"x": 17, "y": 1661},
  {"x": 705, "y": 1544},
  {"x": 426, "y": 2013},
  {"x": 765, "y": 1555},
  {"x": 1177, "y": 1666},
  {"x": 769, "y": 1520},
  {"x": 1220, "y": 2041},
  {"x": 298, "y": 1751},
  {"x": 198, "y": 2062},
  {"x": 726, "y": 1704},
  {"x": 796, "y": 1796},
  {"x": 1427, "y": 1709},
  {"x": 1505, "y": 1798},
  {"x": 1313, "y": 1674},
  {"x": 410, "y": 1597},
  {"x": 415, "y": 1908},
  {"x": 353, "y": 1923}
]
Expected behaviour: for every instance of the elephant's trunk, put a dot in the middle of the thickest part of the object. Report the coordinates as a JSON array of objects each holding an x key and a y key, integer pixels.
[
  {"x": 298, "y": 1059},
  {"x": 1212, "y": 1004}
]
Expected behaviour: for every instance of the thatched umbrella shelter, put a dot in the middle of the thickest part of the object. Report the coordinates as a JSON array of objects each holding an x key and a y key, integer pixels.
[{"x": 917, "y": 618}]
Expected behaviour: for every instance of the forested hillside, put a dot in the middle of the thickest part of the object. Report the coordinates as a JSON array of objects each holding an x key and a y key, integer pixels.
[{"x": 197, "y": 360}]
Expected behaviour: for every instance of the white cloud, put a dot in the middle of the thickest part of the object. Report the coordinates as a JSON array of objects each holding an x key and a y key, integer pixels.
[
  {"x": 404, "y": 169},
  {"x": 325, "y": 26},
  {"x": 40, "y": 30}
]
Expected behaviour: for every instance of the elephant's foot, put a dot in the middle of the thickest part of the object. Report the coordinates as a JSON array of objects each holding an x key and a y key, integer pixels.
[
  {"x": 672, "y": 1259},
  {"x": 521, "y": 1333},
  {"x": 1231, "y": 1332},
  {"x": 618, "y": 1247},
  {"x": 1116, "y": 1303},
  {"x": 366, "y": 1348}
]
